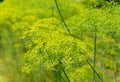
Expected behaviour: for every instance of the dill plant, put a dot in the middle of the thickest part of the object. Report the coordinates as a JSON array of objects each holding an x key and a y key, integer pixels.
[
  {"x": 49, "y": 45},
  {"x": 38, "y": 40},
  {"x": 106, "y": 25},
  {"x": 50, "y": 52}
]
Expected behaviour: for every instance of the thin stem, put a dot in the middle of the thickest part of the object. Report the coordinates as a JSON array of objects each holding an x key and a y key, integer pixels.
[
  {"x": 95, "y": 49},
  {"x": 64, "y": 71},
  {"x": 62, "y": 18},
  {"x": 94, "y": 70},
  {"x": 94, "y": 60},
  {"x": 92, "y": 67}
]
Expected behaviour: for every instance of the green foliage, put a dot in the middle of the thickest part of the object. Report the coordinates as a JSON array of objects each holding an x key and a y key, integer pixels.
[
  {"x": 34, "y": 41},
  {"x": 47, "y": 42},
  {"x": 106, "y": 25}
]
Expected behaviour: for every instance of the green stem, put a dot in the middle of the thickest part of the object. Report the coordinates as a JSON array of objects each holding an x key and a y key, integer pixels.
[
  {"x": 64, "y": 71},
  {"x": 95, "y": 49},
  {"x": 94, "y": 71},
  {"x": 62, "y": 18},
  {"x": 94, "y": 60},
  {"x": 92, "y": 67}
]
